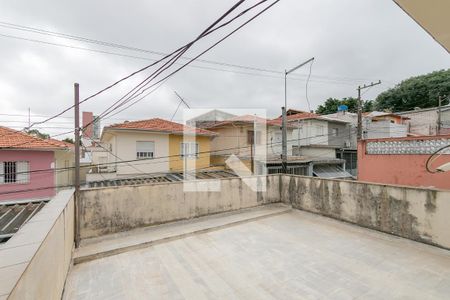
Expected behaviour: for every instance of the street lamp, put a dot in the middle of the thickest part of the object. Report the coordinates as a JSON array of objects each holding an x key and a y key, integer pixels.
[
  {"x": 286, "y": 73},
  {"x": 283, "y": 120}
]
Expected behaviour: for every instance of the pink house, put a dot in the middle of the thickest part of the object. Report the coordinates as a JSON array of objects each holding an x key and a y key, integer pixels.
[
  {"x": 31, "y": 167},
  {"x": 402, "y": 161}
]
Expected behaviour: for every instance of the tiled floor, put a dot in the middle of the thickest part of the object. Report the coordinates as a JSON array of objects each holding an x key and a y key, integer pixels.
[{"x": 296, "y": 255}]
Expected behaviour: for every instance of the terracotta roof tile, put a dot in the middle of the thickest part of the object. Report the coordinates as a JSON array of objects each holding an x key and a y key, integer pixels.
[
  {"x": 161, "y": 125},
  {"x": 13, "y": 139}
]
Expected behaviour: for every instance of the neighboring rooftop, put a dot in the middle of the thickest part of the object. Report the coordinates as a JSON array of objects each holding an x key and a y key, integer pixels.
[
  {"x": 14, "y": 139},
  {"x": 246, "y": 119},
  {"x": 160, "y": 125},
  {"x": 309, "y": 116},
  {"x": 420, "y": 110},
  {"x": 14, "y": 214},
  {"x": 166, "y": 177}
]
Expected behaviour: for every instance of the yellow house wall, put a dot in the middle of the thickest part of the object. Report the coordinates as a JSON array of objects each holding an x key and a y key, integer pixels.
[{"x": 176, "y": 162}]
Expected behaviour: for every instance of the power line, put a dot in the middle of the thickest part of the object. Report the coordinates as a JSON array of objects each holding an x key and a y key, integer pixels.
[
  {"x": 153, "y": 76},
  {"x": 151, "y": 174},
  {"x": 172, "y": 60},
  {"x": 153, "y": 159},
  {"x": 210, "y": 29},
  {"x": 136, "y": 49},
  {"x": 159, "y": 71},
  {"x": 306, "y": 84}
]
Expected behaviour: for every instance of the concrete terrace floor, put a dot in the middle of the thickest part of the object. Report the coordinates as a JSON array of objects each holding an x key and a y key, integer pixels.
[{"x": 295, "y": 255}]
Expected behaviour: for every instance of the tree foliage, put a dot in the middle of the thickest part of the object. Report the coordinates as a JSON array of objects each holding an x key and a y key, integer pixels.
[
  {"x": 69, "y": 140},
  {"x": 331, "y": 105},
  {"x": 420, "y": 91},
  {"x": 38, "y": 134}
]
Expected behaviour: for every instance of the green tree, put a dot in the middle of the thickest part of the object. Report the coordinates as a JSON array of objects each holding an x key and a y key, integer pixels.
[
  {"x": 421, "y": 91},
  {"x": 68, "y": 140},
  {"x": 38, "y": 134},
  {"x": 331, "y": 105}
]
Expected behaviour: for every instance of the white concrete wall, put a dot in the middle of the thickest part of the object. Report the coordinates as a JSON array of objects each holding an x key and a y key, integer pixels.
[
  {"x": 35, "y": 261},
  {"x": 415, "y": 213},
  {"x": 64, "y": 159},
  {"x": 309, "y": 132},
  {"x": 422, "y": 122},
  {"x": 110, "y": 210},
  {"x": 318, "y": 152},
  {"x": 274, "y": 145},
  {"x": 384, "y": 129}
]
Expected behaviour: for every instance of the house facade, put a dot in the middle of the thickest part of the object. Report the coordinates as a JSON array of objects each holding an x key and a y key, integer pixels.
[
  {"x": 147, "y": 147},
  {"x": 252, "y": 139},
  {"x": 33, "y": 168},
  {"x": 318, "y": 140},
  {"x": 428, "y": 121}
]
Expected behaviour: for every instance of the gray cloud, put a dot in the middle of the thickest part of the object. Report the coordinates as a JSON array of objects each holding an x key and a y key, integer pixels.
[{"x": 353, "y": 42}]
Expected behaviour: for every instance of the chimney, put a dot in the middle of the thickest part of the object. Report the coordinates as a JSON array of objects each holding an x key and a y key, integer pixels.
[{"x": 88, "y": 118}]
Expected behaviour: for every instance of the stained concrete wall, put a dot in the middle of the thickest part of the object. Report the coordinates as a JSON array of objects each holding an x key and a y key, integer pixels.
[
  {"x": 116, "y": 209},
  {"x": 414, "y": 213},
  {"x": 35, "y": 261}
]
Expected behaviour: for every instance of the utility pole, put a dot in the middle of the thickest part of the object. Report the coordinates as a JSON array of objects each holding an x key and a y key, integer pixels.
[
  {"x": 283, "y": 126},
  {"x": 439, "y": 116},
  {"x": 359, "y": 134},
  {"x": 252, "y": 143},
  {"x": 287, "y": 72},
  {"x": 283, "y": 140},
  {"x": 77, "y": 164}
]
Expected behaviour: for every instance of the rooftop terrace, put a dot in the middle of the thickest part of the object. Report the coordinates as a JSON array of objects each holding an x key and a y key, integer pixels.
[
  {"x": 283, "y": 256},
  {"x": 302, "y": 237}
]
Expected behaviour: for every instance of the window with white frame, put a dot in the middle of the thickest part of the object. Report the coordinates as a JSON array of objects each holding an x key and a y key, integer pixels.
[
  {"x": 145, "y": 150},
  {"x": 320, "y": 130},
  {"x": 14, "y": 172},
  {"x": 335, "y": 131},
  {"x": 189, "y": 149}
]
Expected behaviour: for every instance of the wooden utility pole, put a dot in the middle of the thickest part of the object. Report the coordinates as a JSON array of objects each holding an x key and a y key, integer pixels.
[
  {"x": 359, "y": 133},
  {"x": 252, "y": 160},
  {"x": 77, "y": 164},
  {"x": 283, "y": 141},
  {"x": 439, "y": 115}
]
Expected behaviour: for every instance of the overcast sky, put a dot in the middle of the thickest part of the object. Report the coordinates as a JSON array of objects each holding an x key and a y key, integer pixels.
[{"x": 353, "y": 42}]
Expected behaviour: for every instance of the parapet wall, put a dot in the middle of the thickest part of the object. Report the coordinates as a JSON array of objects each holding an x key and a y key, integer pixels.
[
  {"x": 35, "y": 261},
  {"x": 116, "y": 209},
  {"x": 414, "y": 213}
]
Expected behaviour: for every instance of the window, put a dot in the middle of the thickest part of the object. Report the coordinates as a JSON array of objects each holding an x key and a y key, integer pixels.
[
  {"x": 334, "y": 131},
  {"x": 253, "y": 138},
  {"x": 189, "y": 149},
  {"x": 320, "y": 130},
  {"x": 278, "y": 137},
  {"x": 14, "y": 172},
  {"x": 145, "y": 150}
]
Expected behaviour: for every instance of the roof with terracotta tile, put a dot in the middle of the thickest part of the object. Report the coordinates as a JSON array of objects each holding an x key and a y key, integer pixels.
[
  {"x": 13, "y": 139},
  {"x": 161, "y": 125}
]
